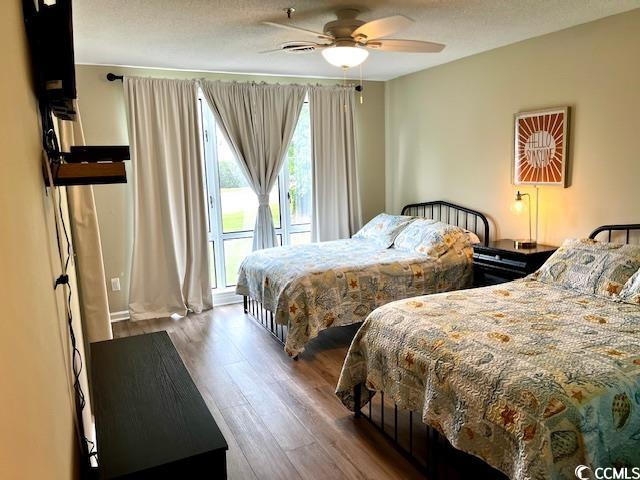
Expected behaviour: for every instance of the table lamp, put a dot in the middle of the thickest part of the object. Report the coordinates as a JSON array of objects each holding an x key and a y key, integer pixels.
[{"x": 519, "y": 206}]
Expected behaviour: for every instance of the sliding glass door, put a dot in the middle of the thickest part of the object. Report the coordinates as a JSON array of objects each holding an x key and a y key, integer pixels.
[{"x": 232, "y": 205}]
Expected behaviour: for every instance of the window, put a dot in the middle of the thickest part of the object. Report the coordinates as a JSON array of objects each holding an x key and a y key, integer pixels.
[{"x": 232, "y": 205}]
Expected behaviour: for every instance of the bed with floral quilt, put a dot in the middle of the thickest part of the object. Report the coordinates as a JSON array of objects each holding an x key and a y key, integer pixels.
[
  {"x": 309, "y": 288},
  {"x": 535, "y": 377}
]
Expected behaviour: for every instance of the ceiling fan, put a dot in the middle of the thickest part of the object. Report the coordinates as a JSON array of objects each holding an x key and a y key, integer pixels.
[{"x": 348, "y": 39}]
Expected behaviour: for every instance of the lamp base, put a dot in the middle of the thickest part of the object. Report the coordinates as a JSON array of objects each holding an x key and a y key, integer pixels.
[{"x": 524, "y": 243}]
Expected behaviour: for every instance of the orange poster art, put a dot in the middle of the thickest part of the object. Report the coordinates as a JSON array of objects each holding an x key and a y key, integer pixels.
[{"x": 541, "y": 147}]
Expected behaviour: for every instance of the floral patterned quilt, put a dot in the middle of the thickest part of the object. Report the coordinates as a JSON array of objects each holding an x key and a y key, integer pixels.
[
  {"x": 316, "y": 286},
  {"x": 533, "y": 378}
]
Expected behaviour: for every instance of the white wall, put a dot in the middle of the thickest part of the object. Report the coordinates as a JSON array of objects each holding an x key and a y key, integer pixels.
[{"x": 450, "y": 128}]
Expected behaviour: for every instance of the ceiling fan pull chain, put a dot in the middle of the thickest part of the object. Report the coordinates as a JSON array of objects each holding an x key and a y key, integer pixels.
[
  {"x": 344, "y": 84},
  {"x": 360, "y": 91}
]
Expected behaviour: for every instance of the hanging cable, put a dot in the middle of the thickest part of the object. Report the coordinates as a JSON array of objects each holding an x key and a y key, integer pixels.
[{"x": 52, "y": 161}]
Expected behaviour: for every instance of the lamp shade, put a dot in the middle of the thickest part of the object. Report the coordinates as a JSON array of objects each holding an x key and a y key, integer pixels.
[
  {"x": 345, "y": 57},
  {"x": 518, "y": 204}
]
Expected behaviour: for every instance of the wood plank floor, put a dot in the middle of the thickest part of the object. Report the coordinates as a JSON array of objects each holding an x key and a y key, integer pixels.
[{"x": 280, "y": 417}]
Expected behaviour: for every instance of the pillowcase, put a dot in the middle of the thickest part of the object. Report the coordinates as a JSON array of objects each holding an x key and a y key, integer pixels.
[
  {"x": 631, "y": 291},
  {"x": 473, "y": 238},
  {"x": 591, "y": 267},
  {"x": 384, "y": 228},
  {"x": 433, "y": 238}
]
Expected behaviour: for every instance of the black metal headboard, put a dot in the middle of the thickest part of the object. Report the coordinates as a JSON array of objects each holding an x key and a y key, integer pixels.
[
  {"x": 452, "y": 214},
  {"x": 609, "y": 229}
]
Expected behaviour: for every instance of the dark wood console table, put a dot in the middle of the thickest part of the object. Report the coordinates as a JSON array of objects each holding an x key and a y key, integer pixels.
[{"x": 151, "y": 421}]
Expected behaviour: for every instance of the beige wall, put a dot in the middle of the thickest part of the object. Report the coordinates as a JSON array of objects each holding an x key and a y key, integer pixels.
[
  {"x": 449, "y": 128},
  {"x": 104, "y": 120},
  {"x": 446, "y": 133},
  {"x": 37, "y": 436}
]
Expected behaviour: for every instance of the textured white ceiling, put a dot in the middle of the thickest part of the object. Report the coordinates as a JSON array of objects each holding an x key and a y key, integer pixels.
[{"x": 226, "y": 35}]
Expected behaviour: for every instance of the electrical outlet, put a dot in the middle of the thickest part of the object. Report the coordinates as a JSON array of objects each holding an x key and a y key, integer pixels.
[{"x": 115, "y": 284}]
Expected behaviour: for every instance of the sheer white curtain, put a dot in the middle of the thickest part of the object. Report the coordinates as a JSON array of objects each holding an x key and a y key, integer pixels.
[
  {"x": 169, "y": 273},
  {"x": 258, "y": 121},
  {"x": 336, "y": 199}
]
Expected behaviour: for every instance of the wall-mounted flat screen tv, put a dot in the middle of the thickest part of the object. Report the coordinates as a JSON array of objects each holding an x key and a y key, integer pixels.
[{"x": 50, "y": 30}]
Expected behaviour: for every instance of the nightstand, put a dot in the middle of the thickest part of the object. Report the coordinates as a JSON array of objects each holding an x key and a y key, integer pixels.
[{"x": 501, "y": 262}]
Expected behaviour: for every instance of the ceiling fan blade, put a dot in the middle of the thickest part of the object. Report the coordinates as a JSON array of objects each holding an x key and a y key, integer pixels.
[
  {"x": 274, "y": 50},
  {"x": 411, "y": 46},
  {"x": 308, "y": 48},
  {"x": 382, "y": 27},
  {"x": 298, "y": 29}
]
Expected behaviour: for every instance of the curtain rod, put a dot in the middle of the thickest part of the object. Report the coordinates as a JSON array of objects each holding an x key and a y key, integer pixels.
[{"x": 112, "y": 77}]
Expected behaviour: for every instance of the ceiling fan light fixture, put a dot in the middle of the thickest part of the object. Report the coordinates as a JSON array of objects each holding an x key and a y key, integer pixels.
[{"x": 345, "y": 57}]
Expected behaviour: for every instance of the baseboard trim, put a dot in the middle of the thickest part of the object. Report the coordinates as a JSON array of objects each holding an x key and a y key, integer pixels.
[
  {"x": 226, "y": 298},
  {"x": 119, "y": 316},
  {"x": 223, "y": 297}
]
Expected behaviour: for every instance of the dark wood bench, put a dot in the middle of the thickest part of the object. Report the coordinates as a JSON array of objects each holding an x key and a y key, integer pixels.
[{"x": 151, "y": 421}]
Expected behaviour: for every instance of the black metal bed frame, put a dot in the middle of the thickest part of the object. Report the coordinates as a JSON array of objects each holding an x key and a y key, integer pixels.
[
  {"x": 266, "y": 319},
  {"x": 609, "y": 229},
  {"x": 443, "y": 212},
  {"x": 435, "y": 444},
  {"x": 440, "y": 210},
  {"x": 424, "y": 446}
]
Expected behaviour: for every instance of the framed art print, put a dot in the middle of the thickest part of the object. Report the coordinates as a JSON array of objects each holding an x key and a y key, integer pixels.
[{"x": 540, "y": 156}]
